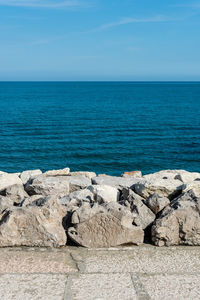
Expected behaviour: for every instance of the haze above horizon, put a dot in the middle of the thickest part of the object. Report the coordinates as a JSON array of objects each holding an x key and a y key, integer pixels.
[{"x": 67, "y": 40}]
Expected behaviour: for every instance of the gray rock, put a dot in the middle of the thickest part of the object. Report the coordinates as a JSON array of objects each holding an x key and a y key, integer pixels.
[
  {"x": 30, "y": 199},
  {"x": 118, "y": 182},
  {"x": 33, "y": 226},
  {"x": 36, "y": 201},
  {"x": 48, "y": 203},
  {"x": 104, "y": 193},
  {"x": 115, "y": 207},
  {"x": 104, "y": 230},
  {"x": 48, "y": 185},
  {"x": 86, "y": 212},
  {"x": 5, "y": 203},
  {"x": 29, "y": 175},
  {"x": 179, "y": 223},
  {"x": 163, "y": 183},
  {"x": 121, "y": 212},
  {"x": 78, "y": 182},
  {"x": 15, "y": 192},
  {"x": 7, "y": 180},
  {"x": 78, "y": 197},
  {"x": 143, "y": 216},
  {"x": 156, "y": 202}
]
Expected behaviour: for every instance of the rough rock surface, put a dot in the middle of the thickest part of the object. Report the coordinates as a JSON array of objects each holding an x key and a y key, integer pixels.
[
  {"x": 179, "y": 223},
  {"x": 15, "y": 192},
  {"x": 78, "y": 182},
  {"x": 195, "y": 186},
  {"x": 96, "y": 211},
  {"x": 61, "y": 172},
  {"x": 104, "y": 230},
  {"x": 104, "y": 193},
  {"x": 47, "y": 185},
  {"x": 137, "y": 174},
  {"x": 121, "y": 212},
  {"x": 28, "y": 175},
  {"x": 143, "y": 216},
  {"x": 30, "y": 199},
  {"x": 118, "y": 182},
  {"x": 156, "y": 202},
  {"x": 185, "y": 176},
  {"x": 78, "y": 197},
  {"x": 86, "y": 212},
  {"x": 32, "y": 226},
  {"x": 89, "y": 175},
  {"x": 5, "y": 203},
  {"x": 7, "y": 180},
  {"x": 164, "y": 183}
]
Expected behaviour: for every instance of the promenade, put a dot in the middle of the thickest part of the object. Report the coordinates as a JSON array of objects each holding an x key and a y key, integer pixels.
[{"x": 125, "y": 273}]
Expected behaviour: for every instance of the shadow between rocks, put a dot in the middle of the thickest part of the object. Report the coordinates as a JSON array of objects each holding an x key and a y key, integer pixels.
[
  {"x": 147, "y": 235},
  {"x": 66, "y": 223}
]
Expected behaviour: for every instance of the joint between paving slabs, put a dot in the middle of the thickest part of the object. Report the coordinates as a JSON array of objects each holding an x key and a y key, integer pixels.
[
  {"x": 79, "y": 261},
  {"x": 68, "y": 291},
  {"x": 139, "y": 287}
]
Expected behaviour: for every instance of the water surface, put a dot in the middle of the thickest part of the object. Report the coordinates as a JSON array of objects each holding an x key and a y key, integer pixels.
[{"x": 107, "y": 127}]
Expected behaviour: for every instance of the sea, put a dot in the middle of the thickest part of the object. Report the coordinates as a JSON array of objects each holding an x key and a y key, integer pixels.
[{"x": 105, "y": 127}]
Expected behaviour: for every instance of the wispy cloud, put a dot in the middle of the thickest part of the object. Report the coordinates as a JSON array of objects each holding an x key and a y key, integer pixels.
[
  {"x": 41, "y": 3},
  {"x": 104, "y": 27},
  {"x": 125, "y": 21}
]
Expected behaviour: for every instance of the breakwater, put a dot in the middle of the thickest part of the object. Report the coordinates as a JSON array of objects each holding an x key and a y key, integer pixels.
[{"x": 57, "y": 207}]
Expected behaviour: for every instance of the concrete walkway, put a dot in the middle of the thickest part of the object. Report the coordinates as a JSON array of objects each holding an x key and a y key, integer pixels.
[{"x": 125, "y": 273}]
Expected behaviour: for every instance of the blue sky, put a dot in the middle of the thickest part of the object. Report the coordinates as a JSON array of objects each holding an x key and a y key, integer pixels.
[{"x": 99, "y": 40}]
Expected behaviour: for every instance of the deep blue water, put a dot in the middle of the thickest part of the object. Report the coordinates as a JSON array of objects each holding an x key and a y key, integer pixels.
[{"x": 107, "y": 127}]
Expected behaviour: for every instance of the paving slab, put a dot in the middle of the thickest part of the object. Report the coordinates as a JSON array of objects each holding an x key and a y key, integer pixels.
[
  {"x": 32, "y": 286},
  {"x": 172, "y": 287},
  {"x": 144, "y": 259},
  {"x": 75, "y": 273},
  {"x": 35, "y": 260},
  {"x": 102, "y": 287}
]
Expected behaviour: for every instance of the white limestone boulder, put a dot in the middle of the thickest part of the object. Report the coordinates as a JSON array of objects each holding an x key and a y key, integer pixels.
[
  {"x": 28, "y": 175},
  {"x": 61, "y": 172},
  {"x": 89, "y": 175},
  {"x": 7, "y": 180},
  {"x": 187, "y": 177},
  {"x": 104, "y": 193},
  {"x": 164, "y": 183},
  {"x": 117, "y": 182},
  {"x": 48, "y": 185},
  {"x": 195, "y": 186}
]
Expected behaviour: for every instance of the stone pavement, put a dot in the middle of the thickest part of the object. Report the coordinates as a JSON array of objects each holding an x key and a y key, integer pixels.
[{"x": 125, "y": 273}]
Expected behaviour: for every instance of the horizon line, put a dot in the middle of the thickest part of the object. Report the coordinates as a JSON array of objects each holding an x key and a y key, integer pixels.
[{"x": 18, "y": 81}]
